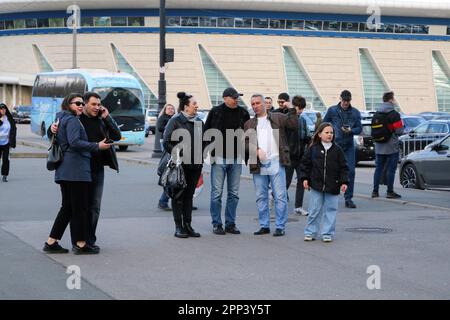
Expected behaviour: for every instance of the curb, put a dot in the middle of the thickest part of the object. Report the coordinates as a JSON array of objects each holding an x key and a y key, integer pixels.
[{"x": 26, "y": 155}]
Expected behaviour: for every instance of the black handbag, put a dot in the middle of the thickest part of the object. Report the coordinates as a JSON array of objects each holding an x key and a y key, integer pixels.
[
  {"x": 173, "y": 176},
  {"x": 163, "y": 163},
  {"x": 55, "y": 155}
]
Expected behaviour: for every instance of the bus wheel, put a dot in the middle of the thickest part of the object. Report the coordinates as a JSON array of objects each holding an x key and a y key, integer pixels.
[
  {"x": 43, "y": 129},
  {"x": 123, "y": 148}
]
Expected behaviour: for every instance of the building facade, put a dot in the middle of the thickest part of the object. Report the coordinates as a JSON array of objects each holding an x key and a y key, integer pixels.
[{"x": 312, "y": 48}]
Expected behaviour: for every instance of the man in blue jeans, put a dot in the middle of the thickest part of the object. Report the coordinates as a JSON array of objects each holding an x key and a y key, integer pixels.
[
  {"x": 346, "y": 121},
  {"x": 228, "y": 163},
  {"x": 270, "y": 145},
  {"x": 387, "y": 153}
]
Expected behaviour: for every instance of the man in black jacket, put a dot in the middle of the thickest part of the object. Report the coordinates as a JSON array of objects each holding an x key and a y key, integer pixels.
[
  {"x": 227, "y": 116},
  {"x": 99, "y": 125}
]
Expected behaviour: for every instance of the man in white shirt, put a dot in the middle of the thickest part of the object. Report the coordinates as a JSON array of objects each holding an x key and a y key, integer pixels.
[{"x": 272, "y": 154}]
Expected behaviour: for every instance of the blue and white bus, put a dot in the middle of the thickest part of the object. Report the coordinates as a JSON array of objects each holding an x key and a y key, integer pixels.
[{"x": 120, "y": 93}]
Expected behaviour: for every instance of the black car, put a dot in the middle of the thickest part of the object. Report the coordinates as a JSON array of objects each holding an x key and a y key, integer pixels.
[
  {"x": 423, "y": 135},
  {"x": 21, "y": 114},
  {"x": 428, "y": 168},
  {"x": 364, "y": 145}
]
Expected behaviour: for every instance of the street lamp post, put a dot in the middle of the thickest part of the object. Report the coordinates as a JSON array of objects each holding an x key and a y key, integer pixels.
[{"x": 157, "y": 152}]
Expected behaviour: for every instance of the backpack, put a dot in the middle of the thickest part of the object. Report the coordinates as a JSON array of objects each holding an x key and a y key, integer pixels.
[{"x": 381, "y": 132}]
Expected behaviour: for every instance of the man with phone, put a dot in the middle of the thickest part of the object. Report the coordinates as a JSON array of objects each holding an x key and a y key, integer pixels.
[
  {"x": 99, "y": 126},
  {"x": 346, "y": 121}
]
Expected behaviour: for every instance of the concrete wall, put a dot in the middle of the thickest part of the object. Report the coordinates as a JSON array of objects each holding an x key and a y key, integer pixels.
[{"x": 251, "y": 63}]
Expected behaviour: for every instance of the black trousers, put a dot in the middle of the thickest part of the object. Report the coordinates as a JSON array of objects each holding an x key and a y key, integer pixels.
[
  {"x": 299, "y": 191},
  {"x": 182, "y": 206},
  {"x": 74, "y": 209},
  {"x": 4, "y": 156}
]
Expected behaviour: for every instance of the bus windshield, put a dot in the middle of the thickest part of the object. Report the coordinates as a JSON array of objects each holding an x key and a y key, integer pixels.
[{"x": 124, "y": 105}]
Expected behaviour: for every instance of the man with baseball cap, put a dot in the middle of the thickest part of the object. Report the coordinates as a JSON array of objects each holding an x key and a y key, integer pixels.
[
  {"x": 227, "y": 163},
  {"x": 346, "y": 121}
]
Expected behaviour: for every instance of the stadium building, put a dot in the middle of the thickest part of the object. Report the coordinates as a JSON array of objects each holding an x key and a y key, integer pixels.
[{"x": 315, "y": 48}]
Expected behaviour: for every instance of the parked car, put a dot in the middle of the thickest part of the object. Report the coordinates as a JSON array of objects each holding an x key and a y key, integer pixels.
[
  {"x": 364, "y": 145},
  {"x": 410, "y": 122},
  {"x": 428, "y": 115},
  {"x": 367, "y": 115},
  {"x": 423, "y": 135},
  {"x": 151, "y": 116},
  {"x": 312, "y": 114},
  {"x": 428, "y": 168},
  {"x": 21, "y": 114}
]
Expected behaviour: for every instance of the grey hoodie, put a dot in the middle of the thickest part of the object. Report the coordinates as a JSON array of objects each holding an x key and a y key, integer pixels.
[{"x": 392, "y": 146}]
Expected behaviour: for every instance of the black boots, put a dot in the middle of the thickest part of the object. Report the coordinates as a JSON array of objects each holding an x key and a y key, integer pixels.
[
  {"x": 180, "y": 232},
  {"x": 190, "y": 231},
  {"x": 186, "y": 231}
]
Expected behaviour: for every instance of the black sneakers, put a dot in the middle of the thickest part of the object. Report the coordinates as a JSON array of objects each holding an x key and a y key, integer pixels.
[
  {"x": 350, "y": 204},
  {"x": 375, "y": 194},
  {"x": 218, "y": 229},
  {"x": 262, "y": 231},
  {"x": 5, "y": 179},
  {"x": 393, "y": 195},
  {"x": 87, "y": 249},
  {"x": 54, "y": 248},
  {"x": 278, "y": 233},
  {"x": 232, "y": 229}
]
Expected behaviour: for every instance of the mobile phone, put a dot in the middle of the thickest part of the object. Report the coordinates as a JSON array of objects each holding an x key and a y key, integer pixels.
[
  {"x": 109, "y": 141},
  {"x": 100, "y": 111}
]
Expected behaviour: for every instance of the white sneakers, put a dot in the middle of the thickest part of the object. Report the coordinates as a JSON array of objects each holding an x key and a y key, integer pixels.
[{"x": 301, "y": 211}]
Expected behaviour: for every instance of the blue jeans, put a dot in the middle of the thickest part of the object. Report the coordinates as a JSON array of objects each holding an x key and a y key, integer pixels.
[
  {"x": 322, "y": 205},
  {"x": 164, "y": 199},
  {"x": 278, "y": 184},
  {"x": 390, "y": 161},
  {"x": 350, "y": 156},
  {"x": 233, "y": 174}
]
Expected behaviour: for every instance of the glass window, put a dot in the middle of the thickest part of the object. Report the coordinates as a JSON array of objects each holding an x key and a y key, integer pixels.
[
  {"x": 208, "y": 21},
  {"x": 295, "y": 24},
  {"x": 350, "y": 26},
  {"x": 402, "y": 28},
  {"x": 102, "y": 21},
  {"x": 297, "y": 80},
  {"x": 261, "y": 23},
  {"x": 373, "y": 85},
  {"x": 119, "y": 21},
  {"x": 243, "y": 22},
  {"x": 332, "y": 25},
  {"x": 19, "y": 24},
  {"x": 386, "y": 28},
  {"x": 42, "y": 23},
  {"x": 363, "y": 27},
  {"x": 9, "y": 24},
  {"x": 441, "y": 81},
  {"x": 2, "y": 25},
  {"x": 87, "y": 21},
  {"x": 448, "y": 30},
  {"x": 30, "y": 23},
  {"x": 56, "y": 22},
  {"x": 225, "y": 22},
  {"x": 313, "y": 25},
  {"x": 189, "y": 21},
  {"x": 446, "y": 142},
  {"x": 173, "y": 21},
  {"x": 421, "y": 129},
  {"x": 437, "y": 128},
  {"x": 420, "y": 29},
  {"x": 277, "y": 24},
  {"x": 136, "y": 21}
]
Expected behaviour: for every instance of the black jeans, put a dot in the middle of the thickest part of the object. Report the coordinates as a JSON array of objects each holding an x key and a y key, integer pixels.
[
  {"x": 95, "y": 200},
  {"x": 182, "y": 206},
  {"x": 4, "y": 156},
  {"x": 299, "y": 191},
  {"x": 74, "y": 209}
]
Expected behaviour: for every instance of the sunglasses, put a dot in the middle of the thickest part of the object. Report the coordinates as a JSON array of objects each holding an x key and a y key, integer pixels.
[{"x": 78, "y": 103}]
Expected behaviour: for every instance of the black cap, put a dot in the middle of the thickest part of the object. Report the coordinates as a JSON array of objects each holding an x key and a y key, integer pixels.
[
  {"x": 283, "y": 96},
  {"x": 231, "y": 92},
  {"x": 346, "y": 95}
]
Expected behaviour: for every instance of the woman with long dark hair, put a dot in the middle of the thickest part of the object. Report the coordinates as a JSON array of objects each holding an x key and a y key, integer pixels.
[
  {"x": 7, "y": 138},
  {"x": 191, "y": 162},
  {"x": 73, "y": 175}
]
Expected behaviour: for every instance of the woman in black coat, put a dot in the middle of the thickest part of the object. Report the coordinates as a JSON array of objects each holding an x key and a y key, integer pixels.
[
  {"x": 8, "y": 133},
  {"x": 192, "y": 162}
]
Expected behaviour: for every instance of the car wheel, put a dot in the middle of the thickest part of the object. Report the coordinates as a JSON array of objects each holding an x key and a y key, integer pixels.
[
  {"x": 146, "y": 134},
  {"x": 409, "y": 178},
  {"x": 123, "y": 148}
]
